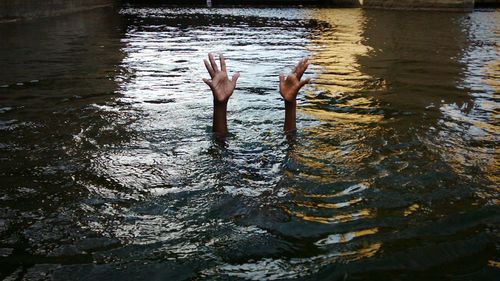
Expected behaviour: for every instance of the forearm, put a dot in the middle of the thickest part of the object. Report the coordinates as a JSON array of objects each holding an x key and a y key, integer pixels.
[
  {"x": 290, "y": 116},
  {"x": 289, "y": 88},
  {"x": 219, "y": 124}
]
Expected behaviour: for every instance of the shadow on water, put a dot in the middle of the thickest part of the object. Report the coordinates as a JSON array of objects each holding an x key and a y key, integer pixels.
[{"x": 56, "y": 76}]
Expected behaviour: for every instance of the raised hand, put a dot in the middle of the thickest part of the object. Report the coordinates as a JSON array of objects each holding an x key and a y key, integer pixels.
[
  {"x": 222, "y": 88},
  {"x": 290, "y": 86}
]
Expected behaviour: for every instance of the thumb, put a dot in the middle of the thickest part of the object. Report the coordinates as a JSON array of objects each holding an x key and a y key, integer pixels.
[
  {"x": 303, "y": 82},
  {"x": 209, "y": 83},
  {"x": 235, "y": 77},
  {"x": 282, "y": 78}
]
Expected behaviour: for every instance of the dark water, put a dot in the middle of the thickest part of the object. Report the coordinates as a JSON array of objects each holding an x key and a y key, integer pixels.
[{"x": 108, "y": 170}]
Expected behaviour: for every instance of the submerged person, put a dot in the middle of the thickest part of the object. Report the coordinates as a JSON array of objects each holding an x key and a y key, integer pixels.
[{"x": 222, "y": 89}]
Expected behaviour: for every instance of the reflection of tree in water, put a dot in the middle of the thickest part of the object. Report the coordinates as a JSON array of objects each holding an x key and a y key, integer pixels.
[
  {"x": 436, "y": 72},
  {"x": 467, "y": 136},
  {"x": 418, "y": 56}
]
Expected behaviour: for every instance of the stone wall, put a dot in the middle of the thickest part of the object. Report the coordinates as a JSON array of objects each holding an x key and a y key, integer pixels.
[
  {"x": 488, "y": 2},
  {"x": 23, "y": 9}
]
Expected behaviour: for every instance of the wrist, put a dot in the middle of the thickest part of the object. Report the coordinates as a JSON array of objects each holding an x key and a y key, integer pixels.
[
  {"x": 290, "y": 105},
  {"x": 289, "y": 97},
  {"x": 219, "y": 124},
  {"x": 290, "y": 115},
  {"x": 220, "y": 103}
]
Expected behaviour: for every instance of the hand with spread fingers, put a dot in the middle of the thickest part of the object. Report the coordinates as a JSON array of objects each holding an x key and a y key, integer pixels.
[
  {"x": 222, "y": 88},
  {"x": 289, "y": 88}
]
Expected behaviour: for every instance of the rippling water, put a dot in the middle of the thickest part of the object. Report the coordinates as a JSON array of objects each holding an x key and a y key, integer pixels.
[{"x": 109, "y": 171}]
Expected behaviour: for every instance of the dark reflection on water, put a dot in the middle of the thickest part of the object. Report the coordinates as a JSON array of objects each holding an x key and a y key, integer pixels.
[{"x": 109, "y": 169}]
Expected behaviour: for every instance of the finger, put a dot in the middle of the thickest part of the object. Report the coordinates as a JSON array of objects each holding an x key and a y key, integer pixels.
[
  {"x": 222, "y": 63},
  {"x": 282, "y": 78},
  {"x": 304, "y": 64},
  {"x": 213, "y": 63},
  {"x": 302, "y": 70},
  {"x": 302, "y": 67},
  {"x": 209, "y": 83},
  {"x": 303, "y": 82},
  {"x": 209, "y": 68},
  {"x": 302, "y": 61},
  {"x": 235, "y": 77},
  {"x": 298, "y": 69}
]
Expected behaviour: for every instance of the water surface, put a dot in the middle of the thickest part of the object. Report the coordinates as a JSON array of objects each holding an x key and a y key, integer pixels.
[{"x": 109, "y": 171}]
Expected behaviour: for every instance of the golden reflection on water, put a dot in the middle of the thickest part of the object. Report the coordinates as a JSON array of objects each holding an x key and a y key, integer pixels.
[
  {"x": 360, "y": 214},
  {"x": 350, "y": 190},
  {"x": 411, "y": 209},
  {"x": 492, "y": 71},
  {"x": 328, "y": 205},
  {"x": 346, "y": 237},
  {"x": 336, "y": 50},
  {"x": 495, "y": 264},
  {"x": 365, "y": 252},
  {"x": 335, "y": 99},
  {"x": 369, "y": 251},
  {"x": 342, "y": 117}
]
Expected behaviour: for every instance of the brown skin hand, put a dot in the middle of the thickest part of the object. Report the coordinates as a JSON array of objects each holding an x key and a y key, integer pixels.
[
  {"x": 222, "y": 89},
  {"x": 289, "y": 88}
]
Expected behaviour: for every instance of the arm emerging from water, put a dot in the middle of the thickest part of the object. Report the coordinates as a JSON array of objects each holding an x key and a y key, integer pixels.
[
  {"x": 222, "y": 89},
  {"x": 289, "y": 88}
]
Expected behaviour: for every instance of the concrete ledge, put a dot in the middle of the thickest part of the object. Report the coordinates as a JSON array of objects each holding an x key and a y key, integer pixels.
[
  {"x": 12, "y": 10},
  {"x": 487, "y": 3}
]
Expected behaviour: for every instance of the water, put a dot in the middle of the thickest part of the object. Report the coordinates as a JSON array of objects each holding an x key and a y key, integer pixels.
[{"x": 109, "y": 170}]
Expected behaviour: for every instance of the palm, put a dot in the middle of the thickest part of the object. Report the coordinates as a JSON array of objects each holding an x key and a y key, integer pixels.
[
  {"x": 289, "y": 87},
  {"x": 222, "y": 88}
]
